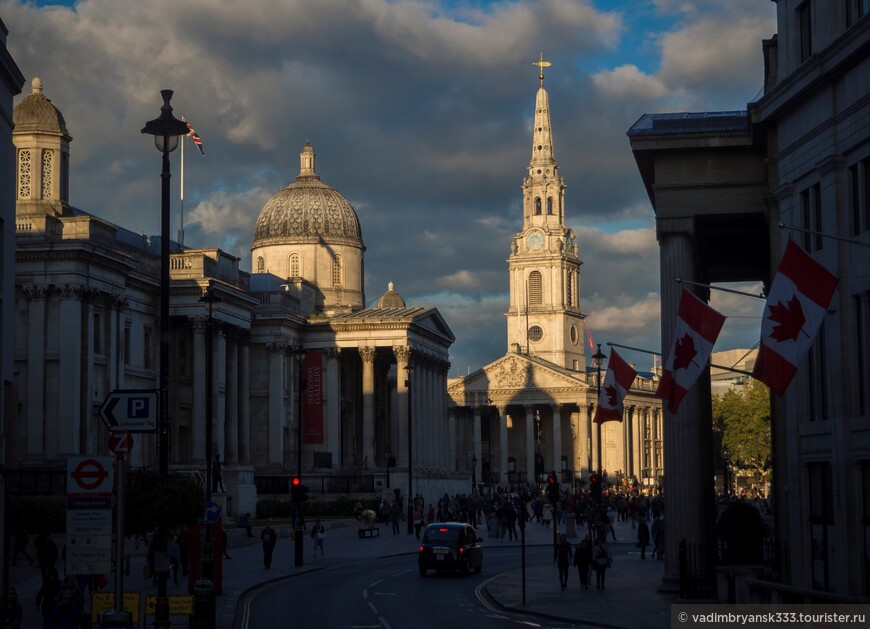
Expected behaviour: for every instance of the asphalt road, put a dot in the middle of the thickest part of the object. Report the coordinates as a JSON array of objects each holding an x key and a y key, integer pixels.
[{"x": 387, "y": 593}]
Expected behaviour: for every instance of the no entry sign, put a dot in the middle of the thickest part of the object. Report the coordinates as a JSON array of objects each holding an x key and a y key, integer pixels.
[{"x": 120, "y": 442}]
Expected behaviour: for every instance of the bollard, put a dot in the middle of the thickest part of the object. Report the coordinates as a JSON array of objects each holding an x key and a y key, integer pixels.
[
  {"x": 204, "y": 599},
  {"x": 110, "y": 619}
]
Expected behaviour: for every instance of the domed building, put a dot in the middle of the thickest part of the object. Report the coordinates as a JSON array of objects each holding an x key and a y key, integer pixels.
[{"x": 305, "y": 379}]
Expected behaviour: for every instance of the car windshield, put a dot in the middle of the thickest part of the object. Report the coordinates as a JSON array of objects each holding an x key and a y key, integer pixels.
[{"x": 442, "y": 535}]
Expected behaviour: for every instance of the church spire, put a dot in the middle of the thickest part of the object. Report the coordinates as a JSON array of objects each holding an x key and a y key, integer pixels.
[{"x": 543, "y": 157}]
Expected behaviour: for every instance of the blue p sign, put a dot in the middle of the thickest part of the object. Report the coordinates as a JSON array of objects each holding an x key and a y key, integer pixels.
[{"x": 137, "y": 408}]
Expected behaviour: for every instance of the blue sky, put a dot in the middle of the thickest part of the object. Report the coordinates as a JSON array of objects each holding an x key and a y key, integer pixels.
[{"x": 420, "y": 114}]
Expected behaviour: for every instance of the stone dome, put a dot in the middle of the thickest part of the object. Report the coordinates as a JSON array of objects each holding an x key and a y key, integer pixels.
[
  {"x": 391, "y": 299},
  {"x": 307, "y": 208},
  {"x": 36, "y": 114}
]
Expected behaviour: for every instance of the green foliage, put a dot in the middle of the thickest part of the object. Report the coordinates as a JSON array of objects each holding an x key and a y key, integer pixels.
[
  {"x": 742, "y": 419},
  {"x": 741, "y": 531},
  {"x": 337, "y": 508},
  {"x": 37, "y": 514},
  {"x": 175, "y": 501}
]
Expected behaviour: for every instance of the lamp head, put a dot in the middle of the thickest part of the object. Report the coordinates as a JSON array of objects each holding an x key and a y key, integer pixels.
[
  {"x": 598, "y": 357},
  {"x": 166, "y": 128}
]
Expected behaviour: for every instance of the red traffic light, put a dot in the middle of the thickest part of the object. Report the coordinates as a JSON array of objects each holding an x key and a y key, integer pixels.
[{"x": 296, "y": 481}]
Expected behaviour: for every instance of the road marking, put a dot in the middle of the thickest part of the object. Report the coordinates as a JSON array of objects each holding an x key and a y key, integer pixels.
[
  {"x": 365, "y": 593},
  {"x": 385, "y": 593},
  {"x": 374, "y": 609},
  {"x": 371, "y": 585},
  {"x": 384, "y": 622}
]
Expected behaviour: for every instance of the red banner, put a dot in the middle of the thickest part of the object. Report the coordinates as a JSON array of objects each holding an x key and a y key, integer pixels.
[{"x": 312, "y": 397}]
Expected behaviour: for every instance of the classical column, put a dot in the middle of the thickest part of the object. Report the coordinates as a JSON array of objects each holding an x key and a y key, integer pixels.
[
  {"x": 557, "y": 439},
  {"x": 590, "y": 444},
  {"x": 653, "y": 428},
  {"x": 478, "y": 448},
  {"x": 35, "y": 410},
  {"x": 244, "y": 400},
  {"x": 449, "y": 452},
  {"x": 232, "y": 394},
  {"x": 688, "y": 466},
  {"x": 220, "y": 385},
  {"x": 530, "y": 444},
  {"x": 403, "y": 357},
  {"x": 275, "y": 435},
  {"x": 368, "y": 399},
  {"x": 452, "y": 463},
  {"x": 200, "y": 327},
  {"x": 333, "y": 404},
  {"x": 502, "y": 445},
  {"x": 63, "y": 433}
]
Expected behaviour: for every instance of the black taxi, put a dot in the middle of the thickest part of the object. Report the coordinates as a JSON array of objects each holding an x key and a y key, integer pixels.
[{"x": 450, "y": 546}]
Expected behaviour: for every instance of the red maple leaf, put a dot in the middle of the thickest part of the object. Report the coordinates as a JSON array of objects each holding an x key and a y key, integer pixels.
[
  {"x": 788, "y": 319},
  {"x": 612, "y": 395},
  {"x": 684, "y": 352}
]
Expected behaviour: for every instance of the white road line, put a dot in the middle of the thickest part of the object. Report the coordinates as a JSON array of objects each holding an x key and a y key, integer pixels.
[
  {"x": 374, "y": 609},
  {"x": 365, "y": 593},
  {"x": 371, "y": 585},
  {"x": 384, "y": 622}
]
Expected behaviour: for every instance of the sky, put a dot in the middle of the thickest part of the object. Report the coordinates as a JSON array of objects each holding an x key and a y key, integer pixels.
[{"x": 420, "y": 113}]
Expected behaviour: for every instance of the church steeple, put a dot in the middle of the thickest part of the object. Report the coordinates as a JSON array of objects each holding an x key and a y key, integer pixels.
[{"x": 544, "y": 317}]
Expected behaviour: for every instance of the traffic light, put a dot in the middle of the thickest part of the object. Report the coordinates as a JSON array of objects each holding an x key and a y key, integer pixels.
[
  {"x": 552, "y": 487},
  {"x": 595, "y": 486},
  {"x": 298, "y": 491}
]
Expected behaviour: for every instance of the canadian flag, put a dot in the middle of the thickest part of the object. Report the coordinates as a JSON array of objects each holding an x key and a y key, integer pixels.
[
  {"x": 796, "y": 307},
  {"x": 698, "y": 326},
  {"x": 616, "y": 384}
]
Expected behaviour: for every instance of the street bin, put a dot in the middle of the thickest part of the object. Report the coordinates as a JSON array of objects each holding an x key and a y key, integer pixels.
[
  {"x": 571, "y": 525},
  {"x": 204, "y": 601},
  {"x": 110, "y": 619}
]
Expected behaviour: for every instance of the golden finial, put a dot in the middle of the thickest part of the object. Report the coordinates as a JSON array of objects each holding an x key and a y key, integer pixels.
[{"x": 542, "y": 64}]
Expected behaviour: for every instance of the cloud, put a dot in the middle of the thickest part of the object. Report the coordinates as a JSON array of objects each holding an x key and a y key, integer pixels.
[{"x": 627, "y": 81}]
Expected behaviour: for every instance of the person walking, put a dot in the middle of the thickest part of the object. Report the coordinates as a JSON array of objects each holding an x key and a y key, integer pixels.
[
  {"x": 418, "y": 521},
  {"x": 583, "y": 561},
  {"x": 601, "y": 561},
  {"x": 22, "y": 539},
  {"x": 396, "y": 517},
  {"x": 658, "y": 538},
  {"x": 11, "y": 611},
  {"x": 318, "y": 534},
  {"x": 216, "y": 479},
  {"x": 46, "y": 553},
  {"x": 269, "y": 539},
  {"x": 563, "y": 559},
  {"x": 642, "y": 536},
  {"x": 47, "y": 596}
]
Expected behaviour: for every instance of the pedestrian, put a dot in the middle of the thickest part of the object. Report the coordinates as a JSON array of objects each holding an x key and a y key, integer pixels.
[
  {"x": 22, "y": 539},
  {"x": 318, "y": 534},
  {"x": 216, "y": 479},
  {"x": 46, "y": 598},
  {"x": 642, "y": 536},
  {"x": 183, "y": 549},
  {"x": 658, "y": 538},
  {"x": 583, "y": 561},
  {"x": 510, "y": 521},
  {"x": 601, "y": 561},
  {"x": 418, "y": 521},
  {"x": 67, "y": 613},
  {"x": 174, "y": 552},
  {"x": 563, "y": 559},
  {"x": 225, "y": 540},
  {"x": 396, "y": 517},
  {"x": 10, "y": 610},
  {"x": 269, "y": 539},
  {"x": 46, "y": 553}
]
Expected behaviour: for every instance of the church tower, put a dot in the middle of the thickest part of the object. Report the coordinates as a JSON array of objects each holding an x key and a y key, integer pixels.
[{"x": 544, "y": 318}]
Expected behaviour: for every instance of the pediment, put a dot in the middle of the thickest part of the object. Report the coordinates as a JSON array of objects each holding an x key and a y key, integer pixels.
[{"x": 517, "y": 373}]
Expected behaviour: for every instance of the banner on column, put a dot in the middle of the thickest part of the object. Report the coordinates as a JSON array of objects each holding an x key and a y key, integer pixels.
[{"x": 312, "y": 401}]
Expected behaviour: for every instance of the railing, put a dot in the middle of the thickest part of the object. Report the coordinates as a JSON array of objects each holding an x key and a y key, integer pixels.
[
  {"x": 35, "y": 482},
  {"x": 323, "y": 484}
]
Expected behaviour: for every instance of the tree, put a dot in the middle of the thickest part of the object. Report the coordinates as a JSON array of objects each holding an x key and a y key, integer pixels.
[
  {"x": 175, "y": 501},
  {"x": 742, "y": 419}
]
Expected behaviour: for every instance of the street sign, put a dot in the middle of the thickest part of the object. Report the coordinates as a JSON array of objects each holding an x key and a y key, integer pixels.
[
  {"x": 212, "y": 513},
  {"x": 133, "y": 410},
  {"x": 89, "y": 475},
  {"x": 120, "y": 442},
  {"x": 89, "y": 515}
]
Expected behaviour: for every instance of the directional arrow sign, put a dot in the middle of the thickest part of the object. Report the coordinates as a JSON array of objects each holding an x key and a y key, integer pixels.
[{"x": 133, "y": 410}]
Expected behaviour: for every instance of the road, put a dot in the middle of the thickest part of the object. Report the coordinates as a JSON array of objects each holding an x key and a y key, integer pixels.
[{"x": 387, "y": 593}]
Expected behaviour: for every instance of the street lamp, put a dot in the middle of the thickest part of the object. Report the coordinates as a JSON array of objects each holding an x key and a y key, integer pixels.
[
  {"x": 598, "y": 360},
  {"x": 165, "y": 129},
  {"x": 473, "y": 472},
  {"x": 209, "y": 298},
  {"x": 409, "y": 368},
  {"x": 388, "y": 455}
]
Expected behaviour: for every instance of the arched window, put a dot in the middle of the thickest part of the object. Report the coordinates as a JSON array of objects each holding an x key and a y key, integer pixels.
[
  {"x": 550, "y": 205},
  {"x": 261, "y": 265},
  {"x": 295, "y": 265},
  {"x": 336, "y": 271},
  {"x": 535, "y": 288},
  {"x": 537, "y": 206},
  {"x": 24, "y": 174}
]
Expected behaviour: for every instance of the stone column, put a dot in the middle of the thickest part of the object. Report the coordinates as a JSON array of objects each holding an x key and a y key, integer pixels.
[
  {"x": 275, "y": 436},
  {"x": 35, "y": 410},
  {"x": 557, "y": 439},
  {"x": 62, "y": 434},
  {"x": 653, "y": 426},
  {"x": 688, "y": 466},
  {"x": 530, "y": 443},
  {"x": 403, "y": 357},
  {"x": 244, "y": 400},
  {"x": 478, "y": 448},
  {"x": 502, "y": 445},
  {"x": 367, "y": 354},
  {"x": 232, "y": 394},
  {"x": 220, "y": 389},
  {"x": 200, "y": 329},
  {"x": 452, "y": 462},
  {"x": 333, "y": 404}
]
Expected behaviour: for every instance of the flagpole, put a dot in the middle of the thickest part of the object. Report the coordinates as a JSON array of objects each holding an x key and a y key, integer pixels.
[
  {"x": 822, "y": 234},
  {"x": 181, "y": 230},
  {"x": 647, "y": 351},
  {"x": 726, "y": 290}
]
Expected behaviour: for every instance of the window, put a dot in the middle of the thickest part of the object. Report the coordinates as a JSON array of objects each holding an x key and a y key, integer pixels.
[
  {"x": 805, "y": 30},
  {"x": 550, "y": 206},
  {"x": 862, "y": 346},
  {"x": 261, "y": 265},
  {"x": 295, "y": 265},
  {"x": 535, "y": 288},
  {"x": 821, "y": 523},
  {"x": 811, "y": 217},
  {"x": 47, "y": 162},
  {"x": 127, "y": 344},
  {"x": 537, "y": 206},
  {"x": 146, "y": 348},
  {"x": 536, "y": 333},
  {"x": 24, "y": 174},
  {"x": 336, "y": 271},
  {"x": 98, "y": 333}
]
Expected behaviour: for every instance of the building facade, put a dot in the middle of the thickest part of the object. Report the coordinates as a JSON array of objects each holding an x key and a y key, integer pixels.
[
  {"x": 530, "y": 412},
  {"x": 794, "y": 165},
  {"x": 304, "y": 378}
]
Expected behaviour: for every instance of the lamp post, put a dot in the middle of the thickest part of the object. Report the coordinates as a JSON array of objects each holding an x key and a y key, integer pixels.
[
  {"x": 598, "y": 360},
  {"x": 410, "y": 368},
  {"x": 388, "y": 456},
  {"x": 209, "y": 298},
  {"x": 473, "y": 472},
  {"x": 165, "y": 129}
]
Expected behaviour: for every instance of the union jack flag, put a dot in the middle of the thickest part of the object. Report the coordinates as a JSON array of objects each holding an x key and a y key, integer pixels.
[{"x": 193, "y": 135}]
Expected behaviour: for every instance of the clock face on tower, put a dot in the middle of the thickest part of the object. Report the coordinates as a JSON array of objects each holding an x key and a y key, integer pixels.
[{"x": 535, "y": 240}]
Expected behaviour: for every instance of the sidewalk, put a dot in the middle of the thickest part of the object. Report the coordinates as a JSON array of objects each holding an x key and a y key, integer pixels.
[{"x": 630, "y": 600}]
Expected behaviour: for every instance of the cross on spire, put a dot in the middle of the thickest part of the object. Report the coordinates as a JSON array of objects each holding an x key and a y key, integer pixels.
[{"x": 542, "y": 64}]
